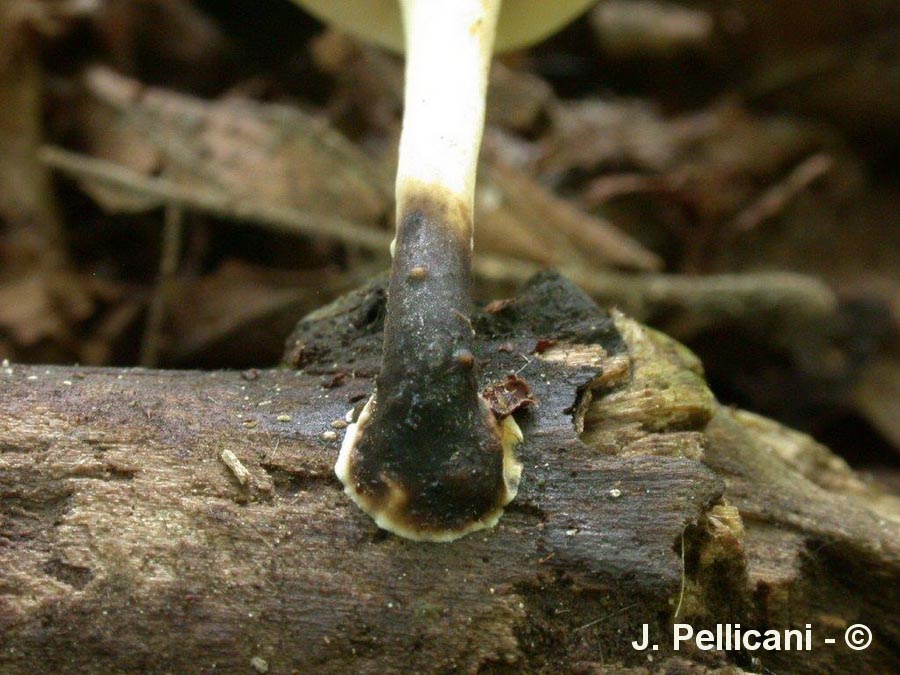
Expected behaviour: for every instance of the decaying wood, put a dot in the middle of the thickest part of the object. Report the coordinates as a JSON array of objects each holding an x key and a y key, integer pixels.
[{"x": 165, "y": 521}]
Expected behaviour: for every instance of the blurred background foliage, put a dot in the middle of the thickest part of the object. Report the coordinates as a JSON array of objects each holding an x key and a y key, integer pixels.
[{"x": 181, "y": 181}]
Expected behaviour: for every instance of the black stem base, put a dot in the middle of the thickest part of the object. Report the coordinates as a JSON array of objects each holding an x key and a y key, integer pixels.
[{"x": 429, "y": 458}]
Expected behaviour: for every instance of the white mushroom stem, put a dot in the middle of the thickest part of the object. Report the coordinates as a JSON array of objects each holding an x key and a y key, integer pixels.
[{"x": 448, "y": 54}]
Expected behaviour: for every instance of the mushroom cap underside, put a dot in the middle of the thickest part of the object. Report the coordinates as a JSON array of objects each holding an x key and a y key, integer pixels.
[{"x": 521, "y": 22}]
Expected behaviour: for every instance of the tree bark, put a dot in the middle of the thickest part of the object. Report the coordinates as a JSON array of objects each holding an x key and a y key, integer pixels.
[{"x": 165, "y": 521}]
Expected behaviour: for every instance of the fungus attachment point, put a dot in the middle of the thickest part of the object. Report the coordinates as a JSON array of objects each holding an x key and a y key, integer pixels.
[{"x": 427, "y": 458}]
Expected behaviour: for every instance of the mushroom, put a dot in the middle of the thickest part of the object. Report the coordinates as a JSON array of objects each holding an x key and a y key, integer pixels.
[{"x": 426, "y": 457}]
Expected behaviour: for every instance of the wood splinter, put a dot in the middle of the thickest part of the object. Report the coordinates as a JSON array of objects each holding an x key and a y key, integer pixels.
[{"x": 427, "y": 458}]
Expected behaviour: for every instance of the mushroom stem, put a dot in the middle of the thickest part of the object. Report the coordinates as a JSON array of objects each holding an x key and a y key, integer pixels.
[
  {"x": 426, "y": 458},
  {"x": 448, "y": 54}
]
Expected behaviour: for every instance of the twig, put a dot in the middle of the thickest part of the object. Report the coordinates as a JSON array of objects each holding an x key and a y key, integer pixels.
[
  {"x": 215, "y": 202},
  {"x": 774, "y": 200},
  {"x": 649, "y": 28},
  {"x": 27, "y": 202},
  {"x": 604, "y": 188},
  {"x": 168, "y": 266},
  {"x": 602, "y": 239},
  {"x": 714, "y": 297}
]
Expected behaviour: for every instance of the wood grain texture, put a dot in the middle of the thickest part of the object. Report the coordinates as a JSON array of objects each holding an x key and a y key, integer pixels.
[{"x": 127, "y": 544}]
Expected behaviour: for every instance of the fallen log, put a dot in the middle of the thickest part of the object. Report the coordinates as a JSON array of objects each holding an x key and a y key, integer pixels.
[{"x": 174, "y": 521}]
